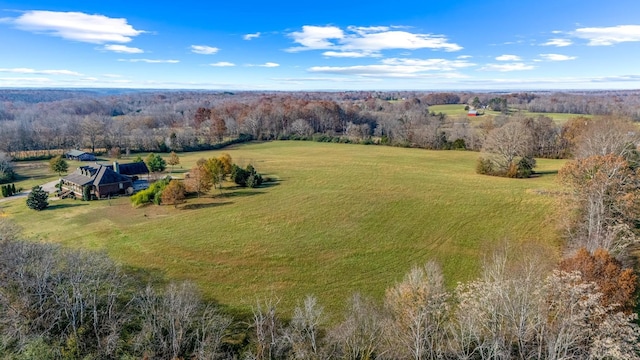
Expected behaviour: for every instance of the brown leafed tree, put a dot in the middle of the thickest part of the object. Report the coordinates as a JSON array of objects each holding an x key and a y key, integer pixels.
[
  {"x": 618, "y": 285},
  {"x": 202, "y": 115},
  {"x": 173, "y": 160},
  {"x": 606, "y": 200},
  {"x": 198, "y": 180},
  {"x": 173, "y": 194},
  {"x": 218, "y": 128}
]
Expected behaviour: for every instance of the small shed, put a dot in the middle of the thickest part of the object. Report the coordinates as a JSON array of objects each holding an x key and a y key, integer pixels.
[
  {"x": 79, "y": 155},
  {"x": 472, "y": 112}
]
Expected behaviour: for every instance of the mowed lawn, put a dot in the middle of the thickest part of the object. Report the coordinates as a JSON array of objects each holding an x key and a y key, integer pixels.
[{"x": 339, "y": 219}]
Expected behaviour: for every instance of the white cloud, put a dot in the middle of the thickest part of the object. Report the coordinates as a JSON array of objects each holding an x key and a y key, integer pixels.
[
  {"x": 151, "y": 61},
  {"x": 507, "y": 67},
  {"x": 222, "y": 64},
  {"x": 122, "y": 49},
  {"x": 556, "y": 57},
  {"x": 601, "y": 36},
  {"x": 464, "y": 57},
  {"x": 398, "y": 40},
  {"x": 251, "y": 36},
  {"x": 266, "y": 65},
  {"x": 316, "y": 37},
  {"x": 334, "y": 79},
  {"x": 351, "y": 54},
  {"x": 558, "y": 42},
  {"x": 508, "y": 58},
  {"x": 204, "y": 49},
  {"x": 40, "y": 72},
  {"x": 77, "y": 26},
  {"x": 429, "y": 64},
  {"x": 114, "y": 76},
  {"x": 401, "y": 68},
  {"x": 365, "y": 40},
  {"x": 362, "y": 30}
]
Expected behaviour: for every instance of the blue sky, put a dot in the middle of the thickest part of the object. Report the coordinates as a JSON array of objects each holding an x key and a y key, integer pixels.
[{"x": 323, "y": 45}]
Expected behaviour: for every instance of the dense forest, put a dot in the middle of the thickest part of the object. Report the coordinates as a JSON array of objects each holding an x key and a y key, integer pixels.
[{"x": 45, "y": 121}]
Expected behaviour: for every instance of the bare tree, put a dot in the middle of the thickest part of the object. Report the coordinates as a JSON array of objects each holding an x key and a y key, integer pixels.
[
  {"x": 607, "y": 135},
  {"x": 176, "y": 324},
  {"x": 604, "y": 193},
  {"x": 270, "y": 342},
  {"x": 360, "y": 335},
  {"x": 418, "y": 314},
  {"x": 304, "y": 330},
  {"x": 93, "y": 129},
  {"x": 506, "y": 145}
]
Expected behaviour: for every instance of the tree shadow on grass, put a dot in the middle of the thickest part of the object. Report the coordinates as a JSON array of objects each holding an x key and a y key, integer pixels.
[
  {"x": 269, "y": 184},
  {"x": 159, "y": 279},
  {"x": 203, "y": 206},
  {"x": 64, "y": 206},
  {"x": 241, "y": 193},
  {"x": 543, "y": 173},
  {"x": 18, "y": 177}
]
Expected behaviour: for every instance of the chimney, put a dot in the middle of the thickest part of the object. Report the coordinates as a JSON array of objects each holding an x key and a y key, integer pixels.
[{"x": 116, "y": 167}]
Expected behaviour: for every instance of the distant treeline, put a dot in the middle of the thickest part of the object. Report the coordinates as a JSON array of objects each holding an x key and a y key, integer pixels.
[{"x": 44, "y": 120}]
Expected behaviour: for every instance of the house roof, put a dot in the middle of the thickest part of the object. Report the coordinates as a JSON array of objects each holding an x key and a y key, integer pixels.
[
  {"x": 100, "y": 175},
  {"x": 135, "y": 168},
  {"x": 75, "y": 153}
]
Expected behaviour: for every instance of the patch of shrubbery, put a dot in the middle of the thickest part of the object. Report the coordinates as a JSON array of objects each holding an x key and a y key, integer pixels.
[
  {"x": 247, "y": 177},
  {"x": 521, "y": 169},
  {"x": 152, "y": 194},
  {"x": 8, "y": 190}
]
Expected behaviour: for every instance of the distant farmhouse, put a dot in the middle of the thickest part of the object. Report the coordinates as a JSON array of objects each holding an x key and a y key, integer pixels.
[
  {"x": 80, "y": 156},
  {"x": 103, "y": 180}
]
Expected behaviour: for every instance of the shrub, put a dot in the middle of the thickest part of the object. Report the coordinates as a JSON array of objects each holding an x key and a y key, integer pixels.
[
  {"x": 246, "y": 177},
  {"x": 86, "y": 193},
  {"x": 459, "y": 144},
  {"x": 484, "y": 166},
  {"x": 525, "y": 167},
  {"x": 151, "y": 194}
]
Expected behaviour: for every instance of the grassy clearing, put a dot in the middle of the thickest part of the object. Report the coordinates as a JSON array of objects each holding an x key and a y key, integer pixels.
[
  {"x": 457, "y": 110},
  {"x": 340, "y": 219}
]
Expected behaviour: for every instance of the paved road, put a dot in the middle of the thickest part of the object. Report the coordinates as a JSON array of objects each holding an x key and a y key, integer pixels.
[{"x": 49, "y": 187}]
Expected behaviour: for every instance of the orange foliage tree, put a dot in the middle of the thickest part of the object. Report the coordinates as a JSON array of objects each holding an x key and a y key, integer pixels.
[
  {"x": 618, "y": 285},
  {"x": 173, "y": 194}
]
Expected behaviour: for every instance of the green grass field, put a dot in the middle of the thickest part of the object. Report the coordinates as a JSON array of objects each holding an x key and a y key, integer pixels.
[
  {"x": 458, "y": 110},
  {"x": 339, "y": 219}
]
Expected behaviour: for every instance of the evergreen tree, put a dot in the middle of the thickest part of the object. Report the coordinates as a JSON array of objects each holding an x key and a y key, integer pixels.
[{"x": 38, "y": 199}]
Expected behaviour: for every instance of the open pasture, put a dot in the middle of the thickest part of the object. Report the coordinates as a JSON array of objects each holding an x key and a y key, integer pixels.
[
  {"x": 457, "y": 110},
  {"x": 338, "y": 219}
]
